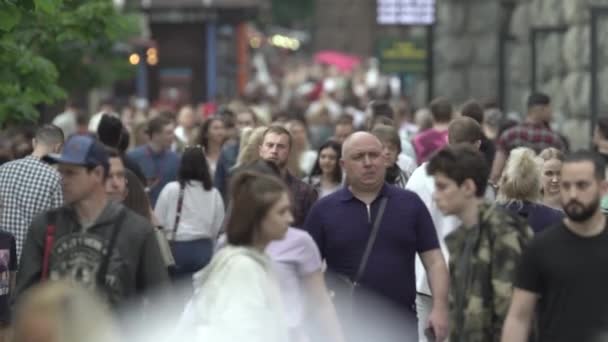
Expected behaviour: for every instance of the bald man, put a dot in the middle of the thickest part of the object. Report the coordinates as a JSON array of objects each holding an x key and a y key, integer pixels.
[{"x": 383, "y": 305}]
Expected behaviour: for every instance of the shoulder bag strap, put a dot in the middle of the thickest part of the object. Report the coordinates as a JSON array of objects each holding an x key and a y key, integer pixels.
[
  {"x": 371, "y": 240},
  {"x": 105, "y": 263},
  {"x": 49, "y": 240},
  {"x": 178, "y": 213}
]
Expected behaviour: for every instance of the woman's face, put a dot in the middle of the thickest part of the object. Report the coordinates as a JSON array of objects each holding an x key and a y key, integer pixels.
[
  {"x": 277, "y": 219},
  {"x": 551, "y": 177},
  {"x": 298, "y": 133},
  {"x": 217, "y": 131},
  {"x": 328, "y": 160}
]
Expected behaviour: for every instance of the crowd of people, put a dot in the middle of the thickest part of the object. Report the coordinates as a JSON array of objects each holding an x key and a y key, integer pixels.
[{"x": 328, "y": 213}]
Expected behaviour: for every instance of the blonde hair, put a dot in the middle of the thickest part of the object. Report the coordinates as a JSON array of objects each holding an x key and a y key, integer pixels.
[
  {"x": 74, "y": 314},
  {"x": 521, "y": 178},
  {"x": 249, "y": 151}
]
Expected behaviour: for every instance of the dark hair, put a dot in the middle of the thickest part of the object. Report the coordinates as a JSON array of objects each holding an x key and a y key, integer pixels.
[
  {"x": 112, "y": 152},
  {"x": 252, "y": 196},
  {"x": 599, "y": 164},
  {"x": 473, "y": 110},
  {"x": 441, "y": 109},
  {"x": 464, "y": 130},
  {"x": 125, "y": 140},
  {"x": 49, "y": 134},
  {"x": 264, "y": 167},
  {"x": 381, "y": 108},
  {"x": 136, "y": 199},
  {"x": 280, "y": 130},
  {"x": 459, "y": 163},
  {"x": 157, "y": 124},
  {"x": 337, "y": 147},
  {"x": 602, "y": 126},
  {"x": 82, "y": 118},
  {"x": 249, "y": 111},
  {"x": 194, "y": 167},
  {"x": 538, "y": 99},
  {"x": 380, "y": 120},
  {"x": 203, "y": 135},
  {"x": 110, "y": 130},
  {"x": 387, "y": 133}
]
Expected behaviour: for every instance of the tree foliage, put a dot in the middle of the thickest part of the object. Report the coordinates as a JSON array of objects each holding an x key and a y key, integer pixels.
[{"x": 51, "y": 48}]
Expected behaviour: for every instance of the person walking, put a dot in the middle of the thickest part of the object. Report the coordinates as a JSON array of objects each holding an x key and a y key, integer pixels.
[
  {"x": 191, "y": 213},
  {"x": 562, "y": 279}
]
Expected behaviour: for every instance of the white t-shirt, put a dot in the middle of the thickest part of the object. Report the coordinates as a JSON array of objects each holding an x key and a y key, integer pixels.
[
  {"x": 202, "y": 213},
  {"x": 423, "y": 184}
]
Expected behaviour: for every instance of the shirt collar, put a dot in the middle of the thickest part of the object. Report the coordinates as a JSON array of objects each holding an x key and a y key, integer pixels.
[{"x": 346, "y": 195}]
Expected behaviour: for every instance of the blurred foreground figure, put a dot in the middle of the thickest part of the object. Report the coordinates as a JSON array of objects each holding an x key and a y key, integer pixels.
[
  {"x": 237, "y": 298},
  {"x": 62, "y": 312}
]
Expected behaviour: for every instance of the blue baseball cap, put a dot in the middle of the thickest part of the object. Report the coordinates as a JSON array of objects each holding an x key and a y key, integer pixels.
[{"x": 81, "y": 150}]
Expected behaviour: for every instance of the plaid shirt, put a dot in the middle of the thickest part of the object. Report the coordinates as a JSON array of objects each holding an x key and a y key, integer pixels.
[
  {"x": 28, "y": 186},
  {"x": 303, "y": 197},
  {"x": 534, "y": 136}
]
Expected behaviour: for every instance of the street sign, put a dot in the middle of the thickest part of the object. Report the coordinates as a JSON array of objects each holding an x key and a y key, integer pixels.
[
  {"x": 405, "y": 12},
  {"x": 402, "y": 55}
]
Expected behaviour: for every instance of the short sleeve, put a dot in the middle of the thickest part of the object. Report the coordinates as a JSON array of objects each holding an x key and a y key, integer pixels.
[
  {"x": 314, "y": 226},
  {"x": 426, "y": 235},
  {"x": 528, "y": 276},
  {"x": 13, "y": 255},
  {"x": 309, "y": 258}
]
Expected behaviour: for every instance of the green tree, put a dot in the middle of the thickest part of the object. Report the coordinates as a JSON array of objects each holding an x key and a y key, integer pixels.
[{"x": 51, "y": 48}]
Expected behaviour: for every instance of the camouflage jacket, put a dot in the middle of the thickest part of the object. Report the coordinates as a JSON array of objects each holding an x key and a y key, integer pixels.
[{"x": 483, "y": 261}]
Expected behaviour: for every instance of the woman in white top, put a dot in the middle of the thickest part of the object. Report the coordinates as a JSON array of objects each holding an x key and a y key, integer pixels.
[
  {"x": 326, "y": 175},
  {"x": 195, "y": 224},
  {"x": 212, "y": 136},
  {"x": 236, "y": 296}
]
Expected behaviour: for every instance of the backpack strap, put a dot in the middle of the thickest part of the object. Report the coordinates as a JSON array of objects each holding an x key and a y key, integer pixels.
[
  {"x": 49, "y": 240},
  {"x": 105, "y": 263}
]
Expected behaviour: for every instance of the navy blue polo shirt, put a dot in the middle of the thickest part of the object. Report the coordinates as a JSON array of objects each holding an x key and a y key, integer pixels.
[{"x": 340, "y": 225}]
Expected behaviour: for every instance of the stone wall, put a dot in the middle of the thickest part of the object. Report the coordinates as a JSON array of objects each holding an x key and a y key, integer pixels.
[
  {"x": 465, "y": 49},
  {"x": 466, "y": 52},
  {"x": 467, "y": 56}
]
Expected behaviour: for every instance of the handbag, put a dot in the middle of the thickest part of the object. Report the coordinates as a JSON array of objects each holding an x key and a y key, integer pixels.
[
  {"x": 342, "y": 288},
  {"x": 164, "y": 247},
  {"x": 163, "y": 242}
]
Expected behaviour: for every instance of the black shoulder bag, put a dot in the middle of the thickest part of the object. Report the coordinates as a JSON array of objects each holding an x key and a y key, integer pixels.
[{"x": 342, "y": 287}]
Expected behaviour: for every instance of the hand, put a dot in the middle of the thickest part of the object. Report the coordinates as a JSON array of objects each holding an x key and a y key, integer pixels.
[{"x": 438, "y": 321}]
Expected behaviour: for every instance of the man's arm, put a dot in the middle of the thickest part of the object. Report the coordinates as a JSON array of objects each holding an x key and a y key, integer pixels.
[
  {"x": 499, "y": 164},
  {"x": 519, "y": 319},
  {"x": 439, "y": 279}
]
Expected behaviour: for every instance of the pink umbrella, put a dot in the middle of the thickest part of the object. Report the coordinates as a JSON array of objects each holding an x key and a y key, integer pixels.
[{"x": 344, "y": 62}]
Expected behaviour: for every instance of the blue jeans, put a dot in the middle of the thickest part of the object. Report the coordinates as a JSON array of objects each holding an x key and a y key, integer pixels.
[{"x": 190, "y": 257}]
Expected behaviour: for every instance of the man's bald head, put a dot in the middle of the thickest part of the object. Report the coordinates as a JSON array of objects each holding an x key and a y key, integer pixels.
[
  {"x": 356, "y": 139},
  {"x": 363, "y": 162}
]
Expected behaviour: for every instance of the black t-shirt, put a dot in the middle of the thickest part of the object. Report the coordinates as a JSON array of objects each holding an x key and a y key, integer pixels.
[
  {"x": 8, "y": 264},
  {"x": 570, "y": 273}
]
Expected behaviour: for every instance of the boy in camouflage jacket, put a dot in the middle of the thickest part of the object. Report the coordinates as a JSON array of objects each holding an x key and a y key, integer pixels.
[{"x": 484, "y": 250}]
